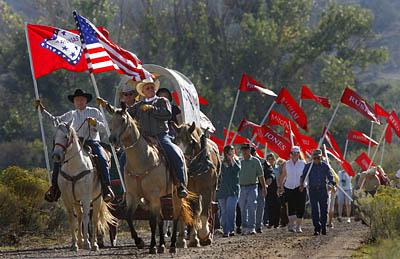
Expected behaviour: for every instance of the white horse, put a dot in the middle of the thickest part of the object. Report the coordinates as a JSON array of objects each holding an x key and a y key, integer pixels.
[{"x": 80, "y": 187}]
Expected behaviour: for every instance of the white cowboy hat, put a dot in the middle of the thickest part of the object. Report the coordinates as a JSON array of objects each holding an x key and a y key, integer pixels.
[{"x": 139, "y": 86}]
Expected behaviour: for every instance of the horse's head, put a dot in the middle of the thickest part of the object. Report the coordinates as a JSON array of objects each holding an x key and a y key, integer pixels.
[
  {"x": 121, "y": 125},
  {"x": 63, "y": 138},
  {"x": 188, "y": 137}
]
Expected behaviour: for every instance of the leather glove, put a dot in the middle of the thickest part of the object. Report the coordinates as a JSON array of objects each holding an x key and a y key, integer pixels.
[
  {"x": 101, "y": 102},
  {"x": 146, "y": 107},
  {"x": 92, "y": 121},
  {"x": 38, "y": 105}
]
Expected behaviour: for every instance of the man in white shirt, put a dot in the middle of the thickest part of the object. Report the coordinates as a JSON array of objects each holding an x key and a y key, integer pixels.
[{"x": 86, "y": 121}]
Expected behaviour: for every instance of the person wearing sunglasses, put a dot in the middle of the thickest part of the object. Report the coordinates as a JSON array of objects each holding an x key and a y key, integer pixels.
[{"x": 319, "y": 178}]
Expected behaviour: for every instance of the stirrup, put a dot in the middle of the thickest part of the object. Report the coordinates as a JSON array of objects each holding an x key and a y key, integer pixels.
[
  {"x": 108, "y": 195},
  {"x": 181, "y": 192}
]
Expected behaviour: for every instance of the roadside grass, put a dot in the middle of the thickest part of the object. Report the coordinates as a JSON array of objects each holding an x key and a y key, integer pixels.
[{"x": 386, "y": 248}]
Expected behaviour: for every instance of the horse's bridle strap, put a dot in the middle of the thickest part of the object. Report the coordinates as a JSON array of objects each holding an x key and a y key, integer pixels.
[{"x": 74, "y": 179}]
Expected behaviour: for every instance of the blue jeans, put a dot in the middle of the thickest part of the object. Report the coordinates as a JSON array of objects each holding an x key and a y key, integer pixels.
[
  {"x": 96, "y": 149},
  {"x": 248, "y": 203},
  {"x": 319, "y": 208},
  {"x": 173, "y": 153},
  {"x": 228, "y": 213},
  {"x": 260, "y": 208}
]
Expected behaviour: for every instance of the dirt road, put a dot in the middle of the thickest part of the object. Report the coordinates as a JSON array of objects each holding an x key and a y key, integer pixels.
[{"x": 272, "y": 243}]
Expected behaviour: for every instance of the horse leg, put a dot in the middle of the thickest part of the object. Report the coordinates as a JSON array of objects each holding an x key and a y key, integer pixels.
[
  {"x": 72, "y": 225},
  {"x": 78, "y": 214},
  {"x": 138, "y": 241},
  {"x": 181, "y": 241},
  {"x": 153, "y": 226},
  {"x": 95, "y": 224},
  {"x": 172, "y": 248},
  {"x": 113, "y": 234},
  {"x": 161, "y": 246},
  {"x": 86, "y": 221},
  {"x": 194, "y": 240},
  {"x": 204, "y": 231}
]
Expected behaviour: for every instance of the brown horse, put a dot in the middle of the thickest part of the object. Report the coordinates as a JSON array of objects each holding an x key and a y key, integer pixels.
[
  {"x": 147, "y": 177},
  {"x": 203, "y": 178}
]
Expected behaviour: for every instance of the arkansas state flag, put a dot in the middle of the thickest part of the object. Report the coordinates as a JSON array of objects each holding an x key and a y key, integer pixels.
[
  {"x": 394, "y": 122},
  {"x": 54, "y": 48},
  {"x": 278, "y": 144},
  {"x": 379, "y": 111},
  {"x": 357, "y": 136},
  {"x": 353, "y": 100},
  {"x": 307, "y": 94},
  {"x": 293, "y": 107},
  {"x": 248, "y": 84}
]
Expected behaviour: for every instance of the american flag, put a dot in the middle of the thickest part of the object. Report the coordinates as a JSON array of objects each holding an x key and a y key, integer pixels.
[{"x": 104, "y": 55}]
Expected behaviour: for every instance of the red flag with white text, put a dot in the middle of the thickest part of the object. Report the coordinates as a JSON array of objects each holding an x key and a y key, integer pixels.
[
  {"x": 379, "y": 111},
  {"x": 292, "y": 107},
  {"x": 307, "y": 94},
  {"x": 357, "y": 136},
  {"x": 388, "y": 134},
  {"x": 363, "y": 161},
  {"x": 394, "y": 122},
  {"x": 278, "y": 144},
  {"x": 248, "y": 84},
  {"x": 355, "y": 101}
]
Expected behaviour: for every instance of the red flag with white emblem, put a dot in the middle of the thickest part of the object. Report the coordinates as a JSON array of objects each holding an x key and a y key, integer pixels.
[
  {"x": 357, "y": 136},
  {"x": 355, "y": 101},
  {"x": 248, "y": 84},
  {"x": 278, "y": 144}
]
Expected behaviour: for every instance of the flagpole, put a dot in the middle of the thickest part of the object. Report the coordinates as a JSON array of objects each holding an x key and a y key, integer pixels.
[
  {"x": 265, "y": 150},
  {"x": 46, "y": 154},
  {"x": 345, "y": 149},
  {"x": 337, "y": 185},
  {"x": 323, "y": 137},
  {"x": 377, "y": 147},
  {"x": 96, "y": 90},
  {"x": 233, "y": 139},
  {"x": 233, "y": 112},
  {"x": 264, "y": 119},
  {"x": 370, "y": 136},
  {"x": 383, "y": 152}
]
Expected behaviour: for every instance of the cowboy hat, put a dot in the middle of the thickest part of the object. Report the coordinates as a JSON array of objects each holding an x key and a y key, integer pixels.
[
  {"x": 79, "y": 92},
  {"x": 139, "y": 86}
]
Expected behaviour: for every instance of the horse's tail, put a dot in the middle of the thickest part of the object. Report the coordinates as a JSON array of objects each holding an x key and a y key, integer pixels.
[
  {"x": 105, "y": 217},
  {"x": 191, "y": 205}
]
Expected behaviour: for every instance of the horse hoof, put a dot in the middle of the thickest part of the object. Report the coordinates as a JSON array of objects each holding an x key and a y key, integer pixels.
[
  {"x": 95, "y": 248},
  {"x": 87, "y": 246},
  {"x": 139, "y": 243},
  {"x": 152, "y": 250},
  {"x": 172, "y": 250},
  {"x": 205, "y": 242},
  {"x": 161, "y": 249},
  {"x": 194, "y": 243},
  {"x": 74, "y": 248},
  {"x": 101, "y": 244},
  {"x": 181, "y": 244},
  {"x": 113, "y": 243}
]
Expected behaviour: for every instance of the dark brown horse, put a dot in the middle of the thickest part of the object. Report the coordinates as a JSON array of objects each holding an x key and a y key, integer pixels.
[{"x": 204, "y": 165}]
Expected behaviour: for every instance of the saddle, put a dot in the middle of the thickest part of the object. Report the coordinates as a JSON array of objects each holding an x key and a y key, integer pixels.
[
  {"x": 201, "y": 163},
  {"x": 153, "y": 142}
]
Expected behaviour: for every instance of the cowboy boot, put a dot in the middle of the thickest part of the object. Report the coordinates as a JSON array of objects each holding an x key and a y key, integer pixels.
[
  {"x": 108, "y": 194},
  {"x": 54, "y": 193}
]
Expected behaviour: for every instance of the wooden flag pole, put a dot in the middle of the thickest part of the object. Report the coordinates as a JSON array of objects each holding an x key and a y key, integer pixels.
[
  {"x": 370, "y": 136},
  {"x": 345, "y": 149},
  {"x": 231, "y": 119},
  {"x": 264, "y": 119},
  {"x": 46, "y": 154},
  {"x": 233, "y": 139},
  {"x": 377, "y": 147},
  {"x": 383, "y": 151}
]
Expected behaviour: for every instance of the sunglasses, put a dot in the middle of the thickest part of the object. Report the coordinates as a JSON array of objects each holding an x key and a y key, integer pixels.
[{"x": 128, "y": 94}]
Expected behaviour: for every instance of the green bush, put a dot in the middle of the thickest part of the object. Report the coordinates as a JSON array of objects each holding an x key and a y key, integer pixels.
[
  {"x": 382, "y": 213},
  {"x": 22, "y": 207}
]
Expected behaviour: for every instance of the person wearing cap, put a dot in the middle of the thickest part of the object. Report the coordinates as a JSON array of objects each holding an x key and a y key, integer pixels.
[
  {"x": 369, "y": 181},
  {"x": 153, "y": 113},
  {"x": 128, "y": 95},
  {"x": 318, "y": 177},
  {"x": 250, "y": 174},
  {"x": 228, "y": 190},
  {"x": 289, "y": 184},
  {"x": 87, "y": 121}
]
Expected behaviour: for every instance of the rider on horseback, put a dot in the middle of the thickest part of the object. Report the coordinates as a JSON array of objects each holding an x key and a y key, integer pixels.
[
  {"x": 153, "y": 113},
  {"x": 85, "y": 121}
]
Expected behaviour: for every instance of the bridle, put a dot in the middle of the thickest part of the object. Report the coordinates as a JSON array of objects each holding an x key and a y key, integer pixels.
[
  {"x": 128, "y": 126},
  {"x": 70, "y": 140}
]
